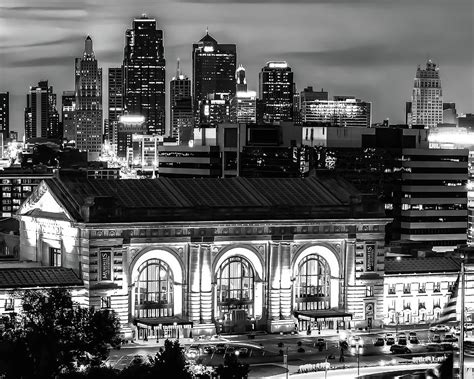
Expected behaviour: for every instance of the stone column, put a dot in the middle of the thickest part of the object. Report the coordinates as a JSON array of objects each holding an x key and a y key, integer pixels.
[
  {"x": 206, "y": 284},
  {"x": 285, "y": 282},
  {"x": 274, "y": 280},
  {"x": 194, "y": 284}
]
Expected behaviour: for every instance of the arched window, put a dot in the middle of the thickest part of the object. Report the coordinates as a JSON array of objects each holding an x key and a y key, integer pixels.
[
  {"x": 235, "y": 285},
  {"x": 312, "y": 289},
  {"x": 154, "y": 290}
]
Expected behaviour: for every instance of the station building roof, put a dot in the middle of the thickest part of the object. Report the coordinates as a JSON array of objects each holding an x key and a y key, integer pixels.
[{"x": 208, "y": 199}]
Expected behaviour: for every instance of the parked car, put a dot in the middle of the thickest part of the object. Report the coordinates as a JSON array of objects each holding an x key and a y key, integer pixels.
[
  {"x": 468, "y": 326},
  {"x": 379, "y": 341},
  {"x": 243, "y": 352},
  {"x": 439, "y": 328},
  {"x": 436, "y": 338},
  {"x": 414, "y": 340},
  {"x": 230, "y": 349},
  {"x": 398, "y": 349},
  {"x": 220, "y": 349},
  {"x": 449, "y": 338},
  {"x": 401, "y": 334},
  {"x": 402, "y": 341},
  {"x": 412, "y": 334},
  {"x": 193, "y": 352},
  {"x": 390, "y": 341},
  {"x": 208, "y": 349},
  {"x": 446, "y": 346},
  {"x": 388, "y": 335}
]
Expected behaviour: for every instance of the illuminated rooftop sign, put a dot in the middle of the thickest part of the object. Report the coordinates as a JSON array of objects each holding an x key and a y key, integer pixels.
[
  {"x": 208, "y": 49},
  {"x": 130, "y": 119},
  {"x": 277, "y": 64}
]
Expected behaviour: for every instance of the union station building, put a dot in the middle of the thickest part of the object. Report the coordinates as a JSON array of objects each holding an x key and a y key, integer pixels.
[{"x": 180, "y": 256}]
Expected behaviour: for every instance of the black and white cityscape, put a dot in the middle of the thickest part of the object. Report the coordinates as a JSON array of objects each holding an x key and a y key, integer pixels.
[{"x": 236, "y": 189}]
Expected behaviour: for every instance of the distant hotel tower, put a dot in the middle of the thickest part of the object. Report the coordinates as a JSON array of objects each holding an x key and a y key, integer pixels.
[
  {"x": 181, "y": 108},
  {"x": 213, "y": 70},
  {"x": 88, "y": 103},
  {"x": 5, "y": 115},
  {"x": 427, "y": 97},
  {"x": 41, "y": 115},
  {"x": 144, "y": 73},
  {"x": 276, "y": 92}
]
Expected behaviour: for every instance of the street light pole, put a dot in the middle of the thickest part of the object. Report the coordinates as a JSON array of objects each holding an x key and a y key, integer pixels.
[{"x": 461, "y": 342}]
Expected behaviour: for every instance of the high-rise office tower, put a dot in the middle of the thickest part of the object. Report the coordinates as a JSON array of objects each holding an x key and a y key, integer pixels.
[
  {"x": 68, "y": 101},
  {"x": 41, "y": 115},
  {"x": 308, "y": 94},
  {"x": 181, "y": 106},
  {"x": 5, "y": 115},
  {"x": 116, "y": 107},
  {"x": 243, "y": 106},
  {"x": 427, "y": 97},
  {"x": 144, "y": 73},
  {"x": 276, "y": 92},
  {"x": 88, "y": 103},
  {"x": 241, "y": 80},
  {"x": 214, "y": 67}
]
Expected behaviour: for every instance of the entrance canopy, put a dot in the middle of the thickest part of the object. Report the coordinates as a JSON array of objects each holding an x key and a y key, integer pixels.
[
  {"x": 321, "y": 314},
  {"x": 165, "y": 321}
]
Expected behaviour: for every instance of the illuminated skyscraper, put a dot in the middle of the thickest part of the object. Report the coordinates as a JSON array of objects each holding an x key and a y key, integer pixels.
[
  {"x": 213, "y": 70},
  {"x": 5, "y": 114},
  {"x": 88, "y": 103},
  {"x": 41, "y": 115},
  {"x": 276, "y": 92},
  {"x": 427, "y": 97},
  {"x": 243, "y": 107},
  {"x": 241, "y": 85},
  {"x": 181, "y": 106},
  {"x": 116, "y": 97},
  {"x": 144, "y": 73}
]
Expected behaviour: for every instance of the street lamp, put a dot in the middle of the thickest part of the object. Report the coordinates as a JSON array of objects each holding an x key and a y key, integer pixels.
[{"x": 359, "y": 346}]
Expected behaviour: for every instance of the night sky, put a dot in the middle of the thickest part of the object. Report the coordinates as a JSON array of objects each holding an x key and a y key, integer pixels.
[{"x": 366, "y": 48}]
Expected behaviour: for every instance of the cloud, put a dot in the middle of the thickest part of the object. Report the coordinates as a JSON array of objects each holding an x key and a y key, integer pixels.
[
  {"x": 64, "y": 40},
  {"x": 56, "y": 60}
]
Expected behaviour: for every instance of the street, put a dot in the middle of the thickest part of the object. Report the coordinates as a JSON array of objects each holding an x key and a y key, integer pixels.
[{"x": 265, "y": 351}]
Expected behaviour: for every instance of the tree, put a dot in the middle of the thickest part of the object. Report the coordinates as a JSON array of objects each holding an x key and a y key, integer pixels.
[
  {"x": 55, "y": 335},
  {"x": 233, "y": 368}
]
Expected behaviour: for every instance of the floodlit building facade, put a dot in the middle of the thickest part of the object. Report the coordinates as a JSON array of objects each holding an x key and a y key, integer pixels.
[
  {"x": 172, "y": 256},
  {"x": 427, "y": 97}
]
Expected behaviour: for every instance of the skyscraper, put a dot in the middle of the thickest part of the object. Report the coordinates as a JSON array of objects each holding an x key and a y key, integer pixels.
[
  {"x": 276, "y": 92},
  {"x": 41, "y": 115},
  {"x": 88, "y": 103},
  {"x": 144, "y": 73},
  {"x": 181, "y": 108},
  {"x": 243, "y": 106},
  {"x": 214, "y": 67},
  {"x": 427, "y": 97},
  {"x": 68, "y": 101},
  {"x": 116, "y": 100},
  {"x": 5, "y": 114}
]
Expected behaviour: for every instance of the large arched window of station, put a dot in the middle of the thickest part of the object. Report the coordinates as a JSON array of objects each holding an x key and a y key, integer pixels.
[
  {"x": 312, "y": 285},
  {"x": 235, "y": 286},
  {"x": 154, "y": 290}
]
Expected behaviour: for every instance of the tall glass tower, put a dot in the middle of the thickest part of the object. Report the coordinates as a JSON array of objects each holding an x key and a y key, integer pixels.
[
  {"x": 427, "y": 97},
  {"x": 214, "y": 67},
  {"x": 276, "y": 92},
  {"x": 88, "y": 92},
  {"x": 144, "y": 74}
]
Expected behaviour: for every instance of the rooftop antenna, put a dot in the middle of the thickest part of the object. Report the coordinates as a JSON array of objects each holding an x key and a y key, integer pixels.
[
  {"x": 207, "y": 30},
  {"x": 178, "y": 71}
]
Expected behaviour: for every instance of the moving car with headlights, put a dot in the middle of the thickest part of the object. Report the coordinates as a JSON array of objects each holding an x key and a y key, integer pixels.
[{"x": 399, "y": 349}]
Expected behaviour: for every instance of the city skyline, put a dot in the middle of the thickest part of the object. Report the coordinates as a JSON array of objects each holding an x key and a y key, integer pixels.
[{"x": 323, "y": 43}]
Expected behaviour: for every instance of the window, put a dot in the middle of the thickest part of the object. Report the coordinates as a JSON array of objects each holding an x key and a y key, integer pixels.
[
  {"x": 312, "y": 290},
  {"x": 369, "y": 291},
  {"x": 54, "y": 257},
  {"x": 235, "y": 285},
  {"x": 9, "y": 305},
  {"x": 422, "y": 288},
  {"x": 230, "y": 137},
  {"x": 451, "y": 286},
  {"x": 154, "y": 290},
  {"x": 105, "y": 302},
  {"x": 437, "y": 287},
  {"x": 391, "y": 289},
  {"x": 407, "y": 288}
]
